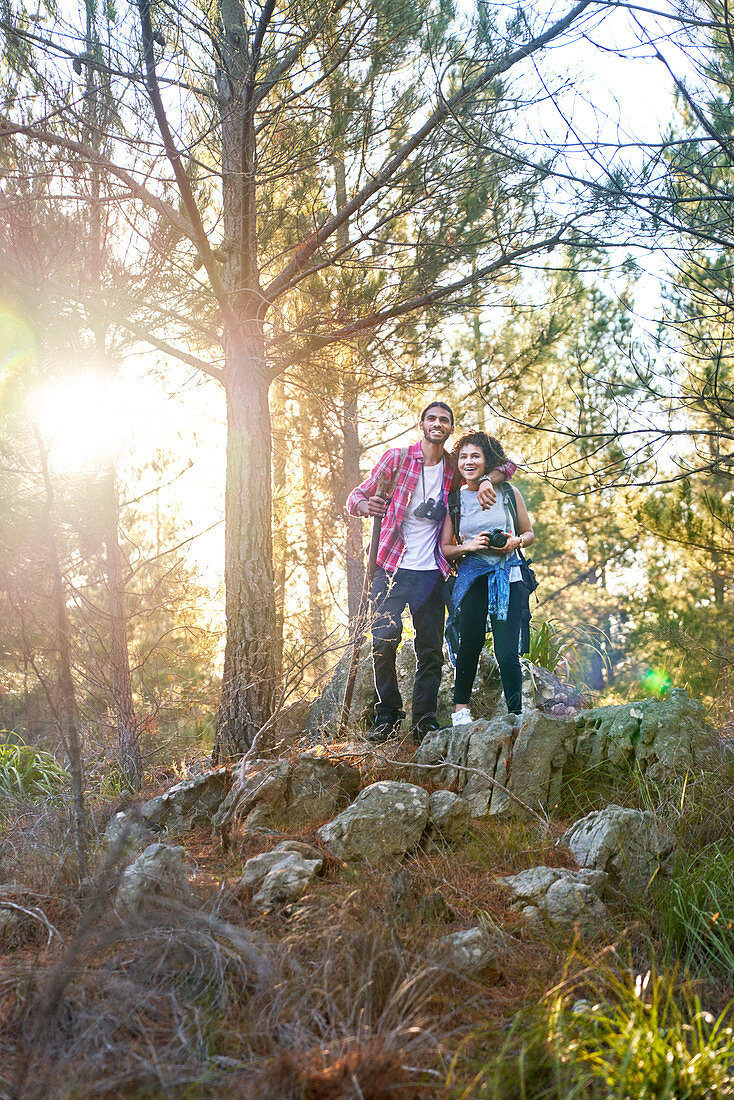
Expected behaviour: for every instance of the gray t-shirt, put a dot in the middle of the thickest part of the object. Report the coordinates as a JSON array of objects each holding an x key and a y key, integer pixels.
[{"x": 475, "y": 520}]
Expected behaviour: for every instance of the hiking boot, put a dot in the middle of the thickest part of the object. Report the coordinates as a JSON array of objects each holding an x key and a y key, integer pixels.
[
  {"x": 384, "y": 729},
  {"x": 425, "y": 725}
]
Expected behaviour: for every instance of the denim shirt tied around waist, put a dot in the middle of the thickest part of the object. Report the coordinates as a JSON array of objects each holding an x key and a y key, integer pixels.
[{"x": 497, "y": 573}]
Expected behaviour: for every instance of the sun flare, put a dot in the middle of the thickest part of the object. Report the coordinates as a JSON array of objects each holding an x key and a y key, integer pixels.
[{"x": 84, "y": 421}]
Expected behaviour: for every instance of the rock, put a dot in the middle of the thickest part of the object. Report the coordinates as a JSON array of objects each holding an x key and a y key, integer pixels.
[
  {"x": 632, "y": 846},
  {"x": 539, "y": 754},
  {"x": 289, "y": 792},
  {"x": 561, "y": 900},
  {"x": 489, "y": 752},
  {"x": 282, "y": 874},
  {"x": 325, "y": 712},
  {"x": 449, "y": 816},
  {"x": 286, "y": 881},
  {"x": 258, "y": 867},
  {"x": 188, "y": 804},
  {"x": 386, "y": 820},
  {"x": 323, "y": 720},
  {"x": 470, "y": 952},
  {"x": 526, "y": 753},
  {"x": 531, "y": 755},
  {"x": 159, "y": 874},
  {"x": 546, "y": 692},
  {"x": 319, "y": 787},
  {"x": 126, "y": 835},
  {"x": 662, "y": 737}
]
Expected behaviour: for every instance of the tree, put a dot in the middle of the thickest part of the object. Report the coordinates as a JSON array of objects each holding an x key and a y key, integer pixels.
[{"x": 430, "y": 220}]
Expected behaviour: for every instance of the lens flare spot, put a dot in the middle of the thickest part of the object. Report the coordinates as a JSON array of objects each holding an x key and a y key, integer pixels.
[
  {"x": 657, "y": 682},
  {"x": 18, "y": 348}
]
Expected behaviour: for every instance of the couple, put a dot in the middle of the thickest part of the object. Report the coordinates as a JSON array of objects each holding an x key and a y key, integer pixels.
[{"x": 419, "y": 538}]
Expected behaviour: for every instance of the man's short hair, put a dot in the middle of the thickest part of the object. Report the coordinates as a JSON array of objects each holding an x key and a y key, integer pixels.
[{"x": 440, "y": 405}]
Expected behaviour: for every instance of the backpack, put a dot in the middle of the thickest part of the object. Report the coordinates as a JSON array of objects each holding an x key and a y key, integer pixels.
[{"x": 528, "y": 579}]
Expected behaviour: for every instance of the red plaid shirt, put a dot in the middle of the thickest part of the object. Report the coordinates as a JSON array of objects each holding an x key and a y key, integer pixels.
[{"x": 392, "y": 543}]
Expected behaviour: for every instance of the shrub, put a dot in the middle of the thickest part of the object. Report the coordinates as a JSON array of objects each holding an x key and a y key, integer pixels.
[{"x": 30, "y": 773}]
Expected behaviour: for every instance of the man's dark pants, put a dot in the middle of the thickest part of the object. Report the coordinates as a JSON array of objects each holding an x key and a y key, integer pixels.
[{"x": 423, "y": 592}]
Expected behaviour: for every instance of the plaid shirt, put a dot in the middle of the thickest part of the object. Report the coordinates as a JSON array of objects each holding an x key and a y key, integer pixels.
[{"x": 392, "y": 543}]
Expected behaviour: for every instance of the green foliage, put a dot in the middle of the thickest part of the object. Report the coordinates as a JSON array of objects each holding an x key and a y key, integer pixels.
[
  {"x": 697, "y": 909},
  {"x": 550, "y": 643},
  {"x": 592, "y": 787},
  {"x": 638, "y": 1037},
  {"x": 645, "y": 1039},
  {"x": 29, "y": 773}
]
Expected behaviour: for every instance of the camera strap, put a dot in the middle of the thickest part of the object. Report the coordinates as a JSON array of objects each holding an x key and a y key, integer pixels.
[{"x": 423, "y": 477}]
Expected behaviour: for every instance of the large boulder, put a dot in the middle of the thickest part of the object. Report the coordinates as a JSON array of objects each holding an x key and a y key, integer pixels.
[
  {"x": 190, "y": 803},
  {"x": 384, "y": 822},
  {"x": 289, "y": 792},
  {"x": 484, "y": 760},
  {"x": 325, "y": 712},
  {"x": 632, "y": 846},
  {"x": 556, "y": 899},
  {"x": 529, "y": 756},
  {"x": 159, "y": 874},
  {"x": 662, "y": 737}
]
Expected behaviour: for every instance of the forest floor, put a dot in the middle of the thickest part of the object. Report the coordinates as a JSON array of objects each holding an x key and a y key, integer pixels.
[{"x": 340, "y": 996}]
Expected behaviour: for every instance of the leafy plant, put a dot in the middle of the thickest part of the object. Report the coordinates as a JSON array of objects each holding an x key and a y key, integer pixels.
[
  {"x": 551, "y": 643},
  {"x": 30, "y": 773}
]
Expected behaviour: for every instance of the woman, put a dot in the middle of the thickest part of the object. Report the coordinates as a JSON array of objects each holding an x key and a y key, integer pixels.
[{"x": 489, "y": 580}]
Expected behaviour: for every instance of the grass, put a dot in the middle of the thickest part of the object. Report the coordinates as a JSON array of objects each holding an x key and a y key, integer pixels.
[
  {"x": 223, "y": 1000},
  {"x": 696, "y": 908},
  {"x": 643, "y": 1036},
  {"x": 630, "y": 1037},
  {"x": 30, "y": 774}
]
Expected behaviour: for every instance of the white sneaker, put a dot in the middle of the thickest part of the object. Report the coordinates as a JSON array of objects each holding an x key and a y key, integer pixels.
[{"x": 461, "y": 717}]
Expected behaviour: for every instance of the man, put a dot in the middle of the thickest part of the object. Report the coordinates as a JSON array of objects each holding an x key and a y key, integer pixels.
[{"x": 410, "y": 566}]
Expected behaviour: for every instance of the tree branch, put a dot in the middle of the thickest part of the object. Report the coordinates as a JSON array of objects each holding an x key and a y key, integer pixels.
[
  {"x": 46, "y": 137},
  {"x": 199, "y": 234},
  {"x": 291, "y": 274},
  {"x": 169, "y": 349}
]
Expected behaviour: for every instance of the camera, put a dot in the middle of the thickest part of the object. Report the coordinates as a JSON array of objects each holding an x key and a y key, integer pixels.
[
  {"x": 431, "y": 509},
  {"x": 498, "y": 538}
]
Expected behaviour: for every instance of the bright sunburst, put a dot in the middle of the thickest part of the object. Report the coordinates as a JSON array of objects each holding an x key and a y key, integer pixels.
[{"x": 85, "y": 420}]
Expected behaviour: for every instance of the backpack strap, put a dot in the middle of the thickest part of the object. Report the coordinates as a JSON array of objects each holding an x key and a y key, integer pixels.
[
  {"x": 455, "y": 512},
  {"x": 396, "y": 473},
  {"x": 509, "y": 494}
]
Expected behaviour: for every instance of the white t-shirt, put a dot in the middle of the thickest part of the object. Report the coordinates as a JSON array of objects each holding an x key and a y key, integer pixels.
[{"x": 420, "y": 534}]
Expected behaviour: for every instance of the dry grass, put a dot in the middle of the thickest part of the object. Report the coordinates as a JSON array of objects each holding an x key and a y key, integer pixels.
[{"x": 339, "y": 997}]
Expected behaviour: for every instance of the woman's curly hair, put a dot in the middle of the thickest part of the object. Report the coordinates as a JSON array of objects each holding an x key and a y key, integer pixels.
[{"x": 491, "y": 448}]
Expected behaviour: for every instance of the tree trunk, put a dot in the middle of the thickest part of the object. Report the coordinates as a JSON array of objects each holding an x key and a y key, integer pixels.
[
  {"x": 312, "y": 530},
  {"x": 280, "y": 512},
  {"x": 128, "y": 736},
  {"x": 354, "y": 547},
  {"x": 248, "y": 684},
  {"x": 67, "y": 711}
]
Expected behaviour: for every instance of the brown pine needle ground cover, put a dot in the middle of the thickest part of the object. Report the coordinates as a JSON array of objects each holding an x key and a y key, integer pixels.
[{"x": 341, "y": 996}]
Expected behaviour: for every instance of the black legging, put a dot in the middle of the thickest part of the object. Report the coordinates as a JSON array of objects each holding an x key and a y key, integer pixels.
[{"x": 472, "y": 627}]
